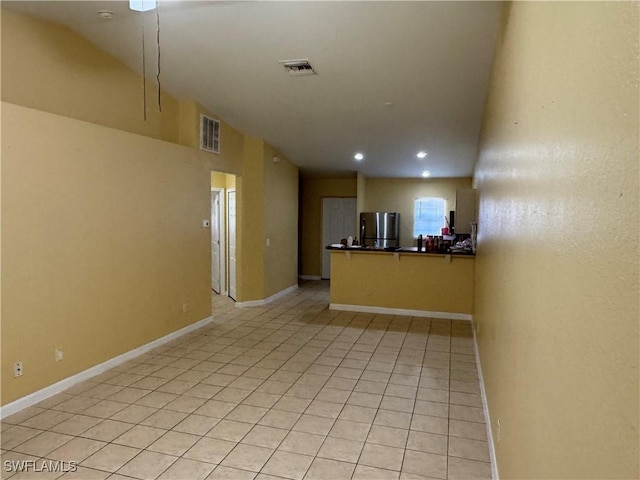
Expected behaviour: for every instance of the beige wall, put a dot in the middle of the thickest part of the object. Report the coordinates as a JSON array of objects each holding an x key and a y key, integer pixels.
[
  {"x": 313, "y": 190},
  {"x": 557, "y": 266},
  {"x": 399, "y": 194}
]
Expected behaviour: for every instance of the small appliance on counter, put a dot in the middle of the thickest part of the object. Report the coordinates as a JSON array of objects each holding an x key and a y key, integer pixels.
[{"x": 380, "y": 229}]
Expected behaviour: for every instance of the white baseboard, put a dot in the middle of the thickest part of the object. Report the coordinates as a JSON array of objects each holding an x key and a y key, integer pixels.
[
  {"x": 309, "y": 277},
  {"x": 35, "y": 397},
  {"x": 400, "y": 311},
  {"x": 275, "y": 296},
  {"x": 485, "y": 407}
]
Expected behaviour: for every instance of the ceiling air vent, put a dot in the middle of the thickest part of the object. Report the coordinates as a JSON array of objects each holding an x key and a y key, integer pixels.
[
  {"x": 209, "y": 134},
  {"x": 298, "y": 68}
]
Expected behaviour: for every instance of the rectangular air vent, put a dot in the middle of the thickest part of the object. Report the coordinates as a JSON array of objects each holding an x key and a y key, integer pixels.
[
  {"x": 298, "y": 68},
  {"x": 209, "y": 134}
]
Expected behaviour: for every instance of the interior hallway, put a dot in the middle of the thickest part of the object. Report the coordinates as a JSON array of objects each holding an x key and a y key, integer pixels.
[{"x": 290, "y": 390}]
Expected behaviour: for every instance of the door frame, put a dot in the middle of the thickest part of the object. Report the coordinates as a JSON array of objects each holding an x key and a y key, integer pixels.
[
  {"x": 228, "y": 270},
  {"x": 222, "y": 217}
]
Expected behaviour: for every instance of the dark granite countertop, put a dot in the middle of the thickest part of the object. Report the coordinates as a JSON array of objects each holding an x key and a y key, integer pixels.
[{"x": 412, "y": 250}]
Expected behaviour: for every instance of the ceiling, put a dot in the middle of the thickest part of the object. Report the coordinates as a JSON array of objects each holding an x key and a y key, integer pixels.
[{"x": 393, "y": 77}]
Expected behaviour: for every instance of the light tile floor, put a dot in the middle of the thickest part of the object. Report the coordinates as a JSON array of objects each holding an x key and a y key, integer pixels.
[{"x": 290, "y": 390}]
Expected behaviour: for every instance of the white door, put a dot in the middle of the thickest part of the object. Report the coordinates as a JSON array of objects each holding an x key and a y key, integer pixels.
[
  {"x": 217, "y": 234},
  {"x": 338, "y": 222},
  {"x": 231, "y": 240}
]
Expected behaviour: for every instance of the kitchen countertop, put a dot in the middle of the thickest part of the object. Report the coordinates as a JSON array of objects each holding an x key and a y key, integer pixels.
[{"x": 411, "y": 250}]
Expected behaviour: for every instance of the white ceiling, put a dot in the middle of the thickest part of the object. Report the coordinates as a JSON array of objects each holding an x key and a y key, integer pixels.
[{"x": 430, "y": 60}]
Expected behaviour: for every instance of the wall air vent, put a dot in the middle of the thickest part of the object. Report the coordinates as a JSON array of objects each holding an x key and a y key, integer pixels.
[
  {"x": 209, "y": 134},
  {"x": 298, "y": 68}
]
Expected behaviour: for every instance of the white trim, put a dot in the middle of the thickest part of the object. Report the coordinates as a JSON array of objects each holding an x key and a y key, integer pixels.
[
  {"x": 35, "y": 397},
  {"x": 275, "y": 296},
  {"x": 234, "y": 294},
  {"x": 485, "y": 407},
  {"x": 309, "y": 277},
  {"x": 400, "y": 311},
  {"x": 222, "y": 230}
]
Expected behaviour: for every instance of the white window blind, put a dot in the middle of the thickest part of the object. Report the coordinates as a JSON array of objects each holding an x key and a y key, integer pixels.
[{"x": 428, "y": 216}]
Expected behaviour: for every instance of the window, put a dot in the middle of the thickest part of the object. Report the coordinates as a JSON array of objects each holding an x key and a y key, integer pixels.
[{"x": 428, "y": 216}]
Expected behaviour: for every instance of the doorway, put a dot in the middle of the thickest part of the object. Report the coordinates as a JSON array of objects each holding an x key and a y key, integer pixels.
[
  {"x": 218, "y": 232},
  {"x": 338, "y": 222},
  {"x": 223, "y": 233}
]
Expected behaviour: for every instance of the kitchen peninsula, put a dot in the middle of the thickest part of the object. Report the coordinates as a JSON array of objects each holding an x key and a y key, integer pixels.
[{"x": 402, "y": 282}]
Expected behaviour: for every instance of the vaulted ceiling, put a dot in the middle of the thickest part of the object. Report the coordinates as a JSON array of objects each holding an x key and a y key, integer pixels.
[{"x": 393, "y": 77}]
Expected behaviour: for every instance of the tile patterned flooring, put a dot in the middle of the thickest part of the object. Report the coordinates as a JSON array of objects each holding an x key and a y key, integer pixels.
[{"x": 290, "y": 390}]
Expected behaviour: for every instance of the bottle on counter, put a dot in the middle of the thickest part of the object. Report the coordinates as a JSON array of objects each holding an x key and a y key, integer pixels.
[{"x": 419, "y": 242}]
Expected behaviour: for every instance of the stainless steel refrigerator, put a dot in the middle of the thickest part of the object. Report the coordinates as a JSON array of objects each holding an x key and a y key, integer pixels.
[{"x": 380, "y": 229}]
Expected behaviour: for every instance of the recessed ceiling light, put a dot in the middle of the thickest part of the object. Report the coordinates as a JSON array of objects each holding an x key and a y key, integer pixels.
[
  {"x": 358, "y": 156},
  {"x": 426, "y": 173},
  {"x": 421, "y": 154}
]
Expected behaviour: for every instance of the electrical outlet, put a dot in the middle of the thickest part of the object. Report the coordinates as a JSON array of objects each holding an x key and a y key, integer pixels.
[
  {"x": 498, "y": 430},
  {"x": 17, "y": 369},
  {"x": 185, "y": 307},
  {"x": 59, "y": 354},
  {"x": 477, "y": 328}
]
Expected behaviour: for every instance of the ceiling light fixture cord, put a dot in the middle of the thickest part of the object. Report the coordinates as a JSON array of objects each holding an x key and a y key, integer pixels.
[
  {"x": 144, "y": 72},
  {"x": 158, "y": 45}
]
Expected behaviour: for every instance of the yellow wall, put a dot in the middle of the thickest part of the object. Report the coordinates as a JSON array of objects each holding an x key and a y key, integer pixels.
[
  {"x": 218, "y": 180},
  {"x": 101, "y": 217},
  {"x": 281, "y": 223},
  {"x": 313, "y": 190},
  {"x": 269, "y": 210},
  {"x": 557, "y": 266},
  {"x": 362, "y": 195},
  {"x": 68, "y": 76},
  {"x": 399, "y": 194},
  {"x": 434, "y": 283},
  {"x": 250, "y": 191},
  {"x": 102, "y": 244},
  {"x": 231, "y": 141},
  {"x": 222, "y": 180},
  {"x": 81, "y": 81}
]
